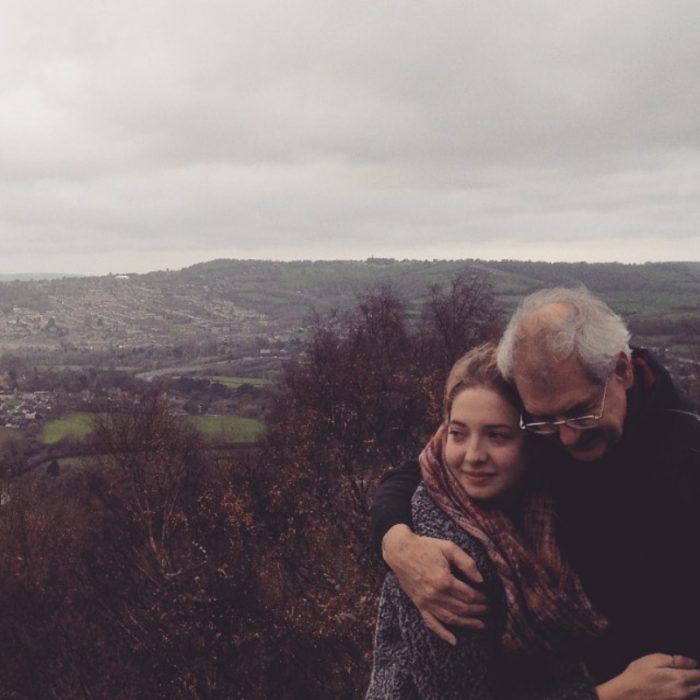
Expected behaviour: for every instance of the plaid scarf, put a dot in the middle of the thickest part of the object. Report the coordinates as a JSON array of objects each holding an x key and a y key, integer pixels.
[{"x": 547, "y": 611}]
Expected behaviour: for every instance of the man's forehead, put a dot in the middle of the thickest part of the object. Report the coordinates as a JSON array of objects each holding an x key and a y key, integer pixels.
[
  {"x": 561, "y": 387},
  {"x": 567, "y": 399},
  {"x": 543, "y": 319}
]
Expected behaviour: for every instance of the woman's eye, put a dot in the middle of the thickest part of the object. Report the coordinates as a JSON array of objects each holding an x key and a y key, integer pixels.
[
  {"x": 455, "y": 434},
  {"x": 500, "y": 437}
]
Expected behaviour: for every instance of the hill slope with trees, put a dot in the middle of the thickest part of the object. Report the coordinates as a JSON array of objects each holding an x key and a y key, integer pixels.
[{"x": 207, "y": 309}]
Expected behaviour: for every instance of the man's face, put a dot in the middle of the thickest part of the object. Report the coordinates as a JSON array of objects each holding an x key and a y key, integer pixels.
[{"x": 569, "y": 392}]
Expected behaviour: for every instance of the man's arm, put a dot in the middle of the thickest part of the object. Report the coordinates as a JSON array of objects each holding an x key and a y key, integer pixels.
[
  {"x": 392, "y": 502},
  {"x": 423, "y": 565},
  {"x": 471, "y": 670}
]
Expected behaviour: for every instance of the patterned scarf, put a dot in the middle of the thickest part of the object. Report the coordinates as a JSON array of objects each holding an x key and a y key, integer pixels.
[{"x": 547, "y": 611}]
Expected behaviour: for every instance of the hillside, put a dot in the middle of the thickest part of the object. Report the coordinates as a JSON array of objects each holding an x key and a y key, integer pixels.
[{"x": 200, "y": 310}]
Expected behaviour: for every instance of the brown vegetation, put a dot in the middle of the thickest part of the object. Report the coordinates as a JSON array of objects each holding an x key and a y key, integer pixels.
[{"x": 162, "y": 571}]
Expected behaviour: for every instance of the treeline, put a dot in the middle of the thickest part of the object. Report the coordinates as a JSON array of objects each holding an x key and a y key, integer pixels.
[
  {"x": 30, "y": 294},
  {"x": 684, "y": 328},
  {"x": 160, "y": 570},
  {"x": 98, "y": 383},
  {"x": 256, "y": 314},
  {"x": 23, "y": 375},
  {"x": 605, "y": 278}
]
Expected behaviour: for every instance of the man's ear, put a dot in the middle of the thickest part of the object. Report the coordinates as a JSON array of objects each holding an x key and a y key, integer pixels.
[{"x": 623, "y": 370}]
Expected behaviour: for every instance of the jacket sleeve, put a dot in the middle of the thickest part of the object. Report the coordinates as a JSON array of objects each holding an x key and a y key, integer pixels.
[{"x": 392, "y": 502}]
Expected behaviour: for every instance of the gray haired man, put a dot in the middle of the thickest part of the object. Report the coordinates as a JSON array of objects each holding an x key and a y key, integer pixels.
[{"x": 622, "y": 454}]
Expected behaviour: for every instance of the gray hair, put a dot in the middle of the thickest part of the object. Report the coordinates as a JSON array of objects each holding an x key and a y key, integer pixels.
[{"x": 590, "y": 331}]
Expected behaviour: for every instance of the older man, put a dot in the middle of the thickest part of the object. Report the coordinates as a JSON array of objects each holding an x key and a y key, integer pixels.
[{"x": 623, "y": 457}]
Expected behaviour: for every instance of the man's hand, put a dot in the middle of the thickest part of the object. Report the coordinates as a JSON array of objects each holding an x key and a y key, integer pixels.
[
  {"x": 422, "y": 566},
  {"x": 653, "y": 677}
]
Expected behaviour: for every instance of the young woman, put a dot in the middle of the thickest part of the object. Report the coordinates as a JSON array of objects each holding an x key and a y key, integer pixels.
[{"x": 478, "y": 492}]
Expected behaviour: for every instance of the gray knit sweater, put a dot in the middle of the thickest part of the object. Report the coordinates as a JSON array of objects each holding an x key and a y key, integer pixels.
[{"x": 410, "y": 662}]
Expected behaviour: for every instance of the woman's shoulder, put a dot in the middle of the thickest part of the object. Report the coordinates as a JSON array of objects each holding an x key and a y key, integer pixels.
[{"x": 430, "y": 521}]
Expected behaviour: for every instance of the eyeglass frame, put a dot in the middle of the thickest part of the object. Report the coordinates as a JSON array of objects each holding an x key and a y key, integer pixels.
[{"x": 553, "y": 424}]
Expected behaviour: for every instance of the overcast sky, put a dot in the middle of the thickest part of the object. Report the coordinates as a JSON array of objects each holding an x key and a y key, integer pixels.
[{"x": 149, "y": 134}]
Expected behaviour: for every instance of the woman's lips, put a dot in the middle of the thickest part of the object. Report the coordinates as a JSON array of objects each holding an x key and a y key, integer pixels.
[{"x": 478, "y": 477}]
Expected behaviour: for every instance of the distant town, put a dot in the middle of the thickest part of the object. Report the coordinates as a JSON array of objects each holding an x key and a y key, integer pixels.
[{"x": 215, "y": 337}]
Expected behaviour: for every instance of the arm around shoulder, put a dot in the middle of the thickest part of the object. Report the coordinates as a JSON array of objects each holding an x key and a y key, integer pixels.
[
  {"x": 392, "y": 502},
  {"x": 411, "y": 661}
]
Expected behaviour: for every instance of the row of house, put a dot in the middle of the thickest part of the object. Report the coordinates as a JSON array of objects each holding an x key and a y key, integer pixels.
[{"x": 19, "y": 409}]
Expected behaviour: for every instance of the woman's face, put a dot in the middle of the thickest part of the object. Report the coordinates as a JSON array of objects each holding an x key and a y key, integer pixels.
[{"x": 484, "y": 447}]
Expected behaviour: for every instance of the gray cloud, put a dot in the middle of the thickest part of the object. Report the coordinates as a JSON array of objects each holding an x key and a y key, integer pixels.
[{"x": 150, "y": 135}]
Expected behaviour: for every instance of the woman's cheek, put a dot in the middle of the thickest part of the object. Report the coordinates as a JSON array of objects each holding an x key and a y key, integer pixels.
[{"x": 454, "y": 455}]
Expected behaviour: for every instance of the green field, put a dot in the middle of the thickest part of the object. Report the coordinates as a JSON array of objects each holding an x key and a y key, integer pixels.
[
  {"x": 228, "y": 428},
  {"x": 219, "y": 428},
  {"x": 235, "y": 382},
  {"x": 74, "y": 425},
  {"x": 62, "y": 368},
  {"x": 127, "y": 369},
  {"x": 75, "y": 462},
  {"x": 684, "y": 349}
]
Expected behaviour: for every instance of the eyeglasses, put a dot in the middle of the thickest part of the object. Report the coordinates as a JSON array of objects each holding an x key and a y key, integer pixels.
[{"x": 550, "y": 427}]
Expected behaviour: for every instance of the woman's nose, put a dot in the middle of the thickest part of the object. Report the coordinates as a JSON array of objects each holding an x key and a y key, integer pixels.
[{"x": 474, "y": 453}]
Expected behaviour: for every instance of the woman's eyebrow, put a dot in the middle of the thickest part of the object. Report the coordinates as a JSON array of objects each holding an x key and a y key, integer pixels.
[
  {"x": 487, "y": 425},
  {"x": 453, "y": 421}
]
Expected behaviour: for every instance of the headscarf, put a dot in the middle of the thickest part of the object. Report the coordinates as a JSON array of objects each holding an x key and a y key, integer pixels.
[{"x": 547, "y": 611}]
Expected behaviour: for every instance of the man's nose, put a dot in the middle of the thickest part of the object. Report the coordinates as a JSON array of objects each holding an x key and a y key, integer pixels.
[{"x": 568, "y": 435}]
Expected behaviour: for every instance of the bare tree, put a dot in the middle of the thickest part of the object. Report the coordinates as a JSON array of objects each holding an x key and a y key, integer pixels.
[{"x": 461, "y": 317}]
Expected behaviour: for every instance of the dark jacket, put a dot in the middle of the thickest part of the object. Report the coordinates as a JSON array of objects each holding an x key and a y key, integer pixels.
[{"x": 629, "y": 523}]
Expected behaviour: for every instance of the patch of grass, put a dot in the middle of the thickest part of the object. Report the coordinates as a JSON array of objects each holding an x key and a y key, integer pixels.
[
  {"x": 235, "y": 382},
  {"x": 683, "y": 349},
  {"x": 228, "y": 428},
  {"x": 76, "y": 462},
  {"x": 74, "y": 425},
  {"x": 63, "y": 368},
  {"x": 215, "y": 428}
]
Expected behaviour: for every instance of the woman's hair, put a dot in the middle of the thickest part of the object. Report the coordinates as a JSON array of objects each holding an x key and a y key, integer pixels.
[
  {"x": 478, "y": 368},
  {"x": 590, "y": 330}
]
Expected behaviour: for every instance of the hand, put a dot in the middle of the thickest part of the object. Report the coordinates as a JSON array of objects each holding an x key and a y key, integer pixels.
[
  {"x": 655, "y": 677},
  {"x": 422, "y": 566}
]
